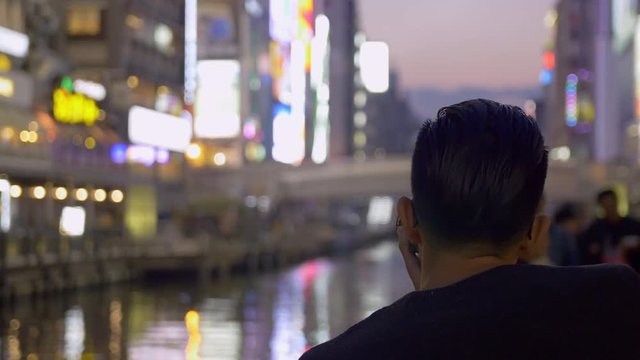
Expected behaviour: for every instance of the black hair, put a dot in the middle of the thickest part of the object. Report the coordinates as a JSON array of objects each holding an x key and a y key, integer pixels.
[
  {"x": 605, "y": 194},
  {"x": 566, "y": 212},
  {"x": 478, "y": 173}
]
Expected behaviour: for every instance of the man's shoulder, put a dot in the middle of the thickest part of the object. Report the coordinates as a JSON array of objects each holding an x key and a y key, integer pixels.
[
  {"x": 593, "y": 284},
  {"x": 370, "y": 336},
  {"x": 605, "y": 294},
  {"x": 620, "y": 277},
  {"x": 595, "y": 272},
  {"x": 603, "y": 274}
]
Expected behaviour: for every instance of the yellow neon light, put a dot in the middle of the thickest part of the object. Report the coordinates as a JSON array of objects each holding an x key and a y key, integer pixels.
[
  {"x": 5, "y": 63},
  {"x": 6, "y": 87},
  {"x": 74, "y": 108}
]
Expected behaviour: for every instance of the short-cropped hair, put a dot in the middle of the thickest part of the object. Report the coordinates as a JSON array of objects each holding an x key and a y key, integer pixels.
[{"x": 478, "y": 174}]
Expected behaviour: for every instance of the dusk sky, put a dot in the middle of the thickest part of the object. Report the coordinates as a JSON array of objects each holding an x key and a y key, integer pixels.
[{"x": 450, "y": 44}]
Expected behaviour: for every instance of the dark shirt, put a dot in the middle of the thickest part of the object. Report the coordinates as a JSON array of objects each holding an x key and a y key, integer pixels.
[
  {"x": 510, "y": 312},
  {"x": 603, "y": 239}
]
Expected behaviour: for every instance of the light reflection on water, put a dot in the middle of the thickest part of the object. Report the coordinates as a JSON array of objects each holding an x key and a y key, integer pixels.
[
  {"x": 273, "y": 316},
  {"x": 74, "y": 335}
]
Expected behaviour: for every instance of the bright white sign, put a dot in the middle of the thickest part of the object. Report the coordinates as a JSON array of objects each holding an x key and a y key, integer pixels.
[
  {"x": 5, "y": 205},
  {"x": 289, "y": 123},
  {"x": 141, "y": 154},
  {"x": 283, "y": 20},
  {"x": 623, "y": 22},
  {"x": 190, "y": 50},
  {"x": 217, "y": 107},
  {"x": 13, "y": 43},
  {"x": 374, "y": 66},
  {"x": 164, "y": 131},
  {"x": 72, "y": 221},
  {"x": 91, "y": 89}
]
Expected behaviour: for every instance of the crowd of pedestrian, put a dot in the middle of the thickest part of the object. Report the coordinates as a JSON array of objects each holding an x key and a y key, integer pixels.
[{"x": 609, "y": 238}]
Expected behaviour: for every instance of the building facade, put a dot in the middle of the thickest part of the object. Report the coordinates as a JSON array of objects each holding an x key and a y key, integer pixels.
[
  {"x": 589, "y": 83},
  {"x": 343, "y": 77}
]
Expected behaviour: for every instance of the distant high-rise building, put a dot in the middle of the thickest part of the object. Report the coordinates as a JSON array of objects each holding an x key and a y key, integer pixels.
[
  {"x": 342, "y": 38},
  {"x": 386, "y": 125},
  {"x": 588, "y": 77}
]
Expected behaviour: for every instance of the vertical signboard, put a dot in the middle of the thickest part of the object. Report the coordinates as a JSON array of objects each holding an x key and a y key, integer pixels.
[{"x": 217, "y": 110}]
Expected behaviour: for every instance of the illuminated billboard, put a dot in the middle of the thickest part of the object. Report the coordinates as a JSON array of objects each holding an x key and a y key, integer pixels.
[
  {"x": 320, "y": 82},
  {"x": 7, "y": 87},
  {"x": 91, "y": 89},
  {"x": 13, "y": 43},
  {"x": 288, "y": 136},
  {"x": 72, "y": 105},
  {"x": 374, "y": 66},
  {"x": 72, "y": 221},
  {"x": 5, "y": 205},
  {"x": 571, "y": 100},
  {"x": 164, "y": 131},
  {"x": 289, "y": 121},
  {"x": 320, "y": 51},
  {"x": 305, "y": 28},
  {"x": 190, "y": 50},
  {"x": 283, "y": 20},
  {"x": 217, "y": 107},
  {"x": 280, "y": 74},
  {"x": 623, "y": 21},
  {"x": 291, "y": 26}
]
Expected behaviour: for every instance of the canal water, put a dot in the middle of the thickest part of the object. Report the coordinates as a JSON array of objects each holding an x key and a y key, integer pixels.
[{"x": 272, "y": 316}]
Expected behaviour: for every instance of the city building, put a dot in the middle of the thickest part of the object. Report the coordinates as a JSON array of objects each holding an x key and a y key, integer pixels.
[
  {"x": 59, "y": 191},
  {"x": 220, "y": 78},
  {"x": 343, "y": 77},
  {"x": 128, "y": 57},
  {"x": 126, "y": 54},
  {"x": 391, "y": 126},
  {"x": 587, "y": 74},
  {"x": 383, "y": 121}
]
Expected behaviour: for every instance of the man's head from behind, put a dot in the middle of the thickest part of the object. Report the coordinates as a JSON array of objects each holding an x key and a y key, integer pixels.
[{"x": 478, "y": 174}]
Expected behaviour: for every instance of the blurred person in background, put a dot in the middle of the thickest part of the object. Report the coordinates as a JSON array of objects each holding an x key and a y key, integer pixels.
[
  {"x": 568, "y": 223},
  {"x": 613, "y": 238},
  {"x": 478, "y": 172}
]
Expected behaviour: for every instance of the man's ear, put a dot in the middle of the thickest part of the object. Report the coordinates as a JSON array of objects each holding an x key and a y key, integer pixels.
[
  {"x": 408, "y": 220},
  {"x": 537, "y": 245}
]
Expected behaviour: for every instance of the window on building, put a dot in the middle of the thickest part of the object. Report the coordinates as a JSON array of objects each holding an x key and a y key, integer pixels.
[{"x": 84, "y": 21}]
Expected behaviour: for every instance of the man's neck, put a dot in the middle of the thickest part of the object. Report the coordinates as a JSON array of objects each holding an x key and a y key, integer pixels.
[{"x": 447, "y": 268}]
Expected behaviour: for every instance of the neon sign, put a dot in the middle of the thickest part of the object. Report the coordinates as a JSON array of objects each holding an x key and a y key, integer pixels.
[
  {"x": 571, "y": 100},
  {"x": 190, "y": 51},
  {"x": 70, "y": 107},
  {"x": 13, "y": 43},
  {"x": 7, "y": 87},
  {"x": 5, "y": 205}
]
